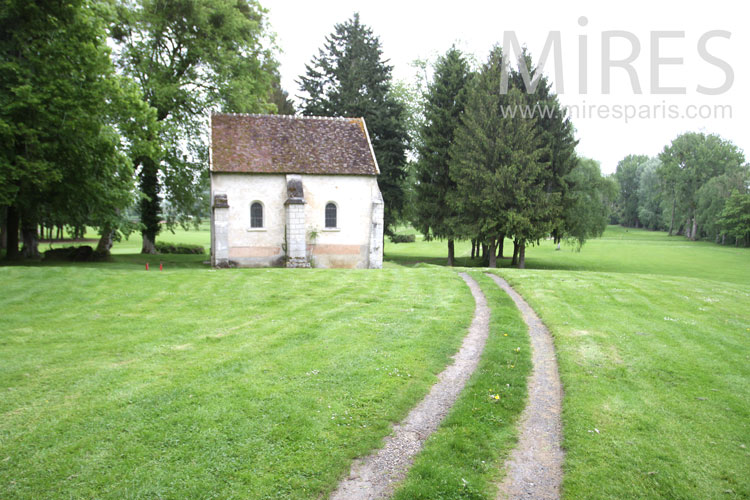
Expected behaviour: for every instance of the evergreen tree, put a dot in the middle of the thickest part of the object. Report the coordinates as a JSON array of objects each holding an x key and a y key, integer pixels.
[
  {"x": 496, "y": 163},
  {"x": 557, "y": 136},
  {"x": 188, "y": 57},
  {"x": 444, "y": 105},
  {"x": 280, "y": 98},
  {"x": 349, "y": 77}
]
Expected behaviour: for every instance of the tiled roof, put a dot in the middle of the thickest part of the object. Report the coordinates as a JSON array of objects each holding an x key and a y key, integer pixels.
[{"x": 273, "y": 144}]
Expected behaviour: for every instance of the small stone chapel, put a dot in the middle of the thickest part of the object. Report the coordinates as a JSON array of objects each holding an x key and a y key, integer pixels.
[{"x": 294, "y": 191}]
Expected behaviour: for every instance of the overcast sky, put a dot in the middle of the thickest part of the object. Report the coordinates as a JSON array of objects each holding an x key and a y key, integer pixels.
[{"x": 414, "y": 29}]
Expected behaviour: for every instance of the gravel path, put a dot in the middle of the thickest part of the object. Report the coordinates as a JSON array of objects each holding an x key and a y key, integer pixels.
[
  {"x": 534, "y": 469},
  {"x": 376, "y": 475}
]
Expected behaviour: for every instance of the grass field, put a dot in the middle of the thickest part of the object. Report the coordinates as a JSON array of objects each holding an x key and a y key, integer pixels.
[
  {"x": 199, "y": 383},
  {"x": 656, "y": 374},
  {"x": 620, "y": 250},
  {"x": 653, "y": 338}
]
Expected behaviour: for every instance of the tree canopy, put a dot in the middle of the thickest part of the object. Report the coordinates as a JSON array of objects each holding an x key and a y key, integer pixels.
[
  {"x": 62, "y": 111},
  {"x": 685, "y": 189},
  {"x": 587, "y": 213},
  {"x": 189, "y": 57},
  {"x": 444, "y": 104},
  {"x": 497, "y": 163}
]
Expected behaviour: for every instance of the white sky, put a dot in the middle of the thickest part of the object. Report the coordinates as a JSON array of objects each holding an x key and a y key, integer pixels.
[{"x": 421, "y": 29}]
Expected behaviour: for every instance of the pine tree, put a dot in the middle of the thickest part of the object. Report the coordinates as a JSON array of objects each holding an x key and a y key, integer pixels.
[
  {"x": 349, "y": 77},
  {"x": 500, "y": 163},
  {"x": 557, "y": 135},
  {"x": 444, "y": 105},
  {"x": 497, "y": 165}
]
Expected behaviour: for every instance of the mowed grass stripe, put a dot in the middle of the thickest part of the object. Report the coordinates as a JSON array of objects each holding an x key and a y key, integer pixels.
[
  {"x": 655, "y": 371},
  {"x": 200, "y": 383}
]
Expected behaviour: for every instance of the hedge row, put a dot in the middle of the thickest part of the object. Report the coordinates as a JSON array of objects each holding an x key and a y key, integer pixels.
[{"x": 181, "y": 248}]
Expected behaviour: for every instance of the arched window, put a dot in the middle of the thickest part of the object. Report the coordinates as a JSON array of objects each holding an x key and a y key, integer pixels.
[
  {"x": 331, "y": 215},
  {"x": 256, "y": 215}
]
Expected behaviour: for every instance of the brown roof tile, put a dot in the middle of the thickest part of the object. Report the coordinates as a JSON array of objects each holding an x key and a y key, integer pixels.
[{"x": 290, "y": 144}]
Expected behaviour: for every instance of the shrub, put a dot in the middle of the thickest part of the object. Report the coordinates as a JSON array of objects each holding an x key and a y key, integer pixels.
[
  {"x": 181, "y": 248},
  {"x": 403, "y": 238},
  {"x": 82, "y": 253}
]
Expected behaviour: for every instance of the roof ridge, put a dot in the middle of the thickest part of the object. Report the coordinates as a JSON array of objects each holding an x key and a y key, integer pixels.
[{"x": 289, "y": 117}]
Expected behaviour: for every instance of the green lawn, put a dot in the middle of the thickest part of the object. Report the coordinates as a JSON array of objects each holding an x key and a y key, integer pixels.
[
  {"x": 656, "y": 374},
  {"x": 117, "y": 382},
  {"x": 193, "y": 383},
  {"x": 620, "y": 250},
  {"x": 653, "y": 338}
]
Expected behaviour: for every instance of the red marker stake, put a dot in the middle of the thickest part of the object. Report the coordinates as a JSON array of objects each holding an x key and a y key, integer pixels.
[
  {"x": 161, "y": 267},
  {"x": 146, "y": 266}
]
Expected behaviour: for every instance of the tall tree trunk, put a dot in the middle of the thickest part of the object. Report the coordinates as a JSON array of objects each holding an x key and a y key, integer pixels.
[
  {"x": 149, "y": 204},
  {"x": 30, "y": 237},
  {"x": 514, "y": 261},
  {"x": 485, "y": 250},
  {"x": 3, "y": 228},
  {"x": 473, "y": 247},
  {"x": 671, "y": 222},
  {"x": 500, "y": 243},
  {"x": 694, "y": 232},
  {"x": 11, "y": 217},
  {"x": 522, "y": 256},
  {"x": 491, "y": 252},
  {"x": 451, "y": 253},
  {"x": 105, "y": 242}
]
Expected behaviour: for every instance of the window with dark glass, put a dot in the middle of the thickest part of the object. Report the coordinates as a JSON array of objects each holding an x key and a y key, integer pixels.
[
  {"x": 331, "y": 215},
  {"x": 256, "y": 215}
]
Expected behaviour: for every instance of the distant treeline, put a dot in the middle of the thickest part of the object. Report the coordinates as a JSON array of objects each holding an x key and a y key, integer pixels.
[{"x": 698, "y": 186}]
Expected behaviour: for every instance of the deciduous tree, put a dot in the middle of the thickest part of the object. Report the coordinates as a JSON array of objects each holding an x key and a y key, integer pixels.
[
  {"x": 587, "y": 213},
  {"x": 61, "y": 149},
  {"x": 188, "y": 57},
  {"x": 690, "y": 161},
  {"x": 628, "y": 178},
  {"x": 735, "y": 218}
]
